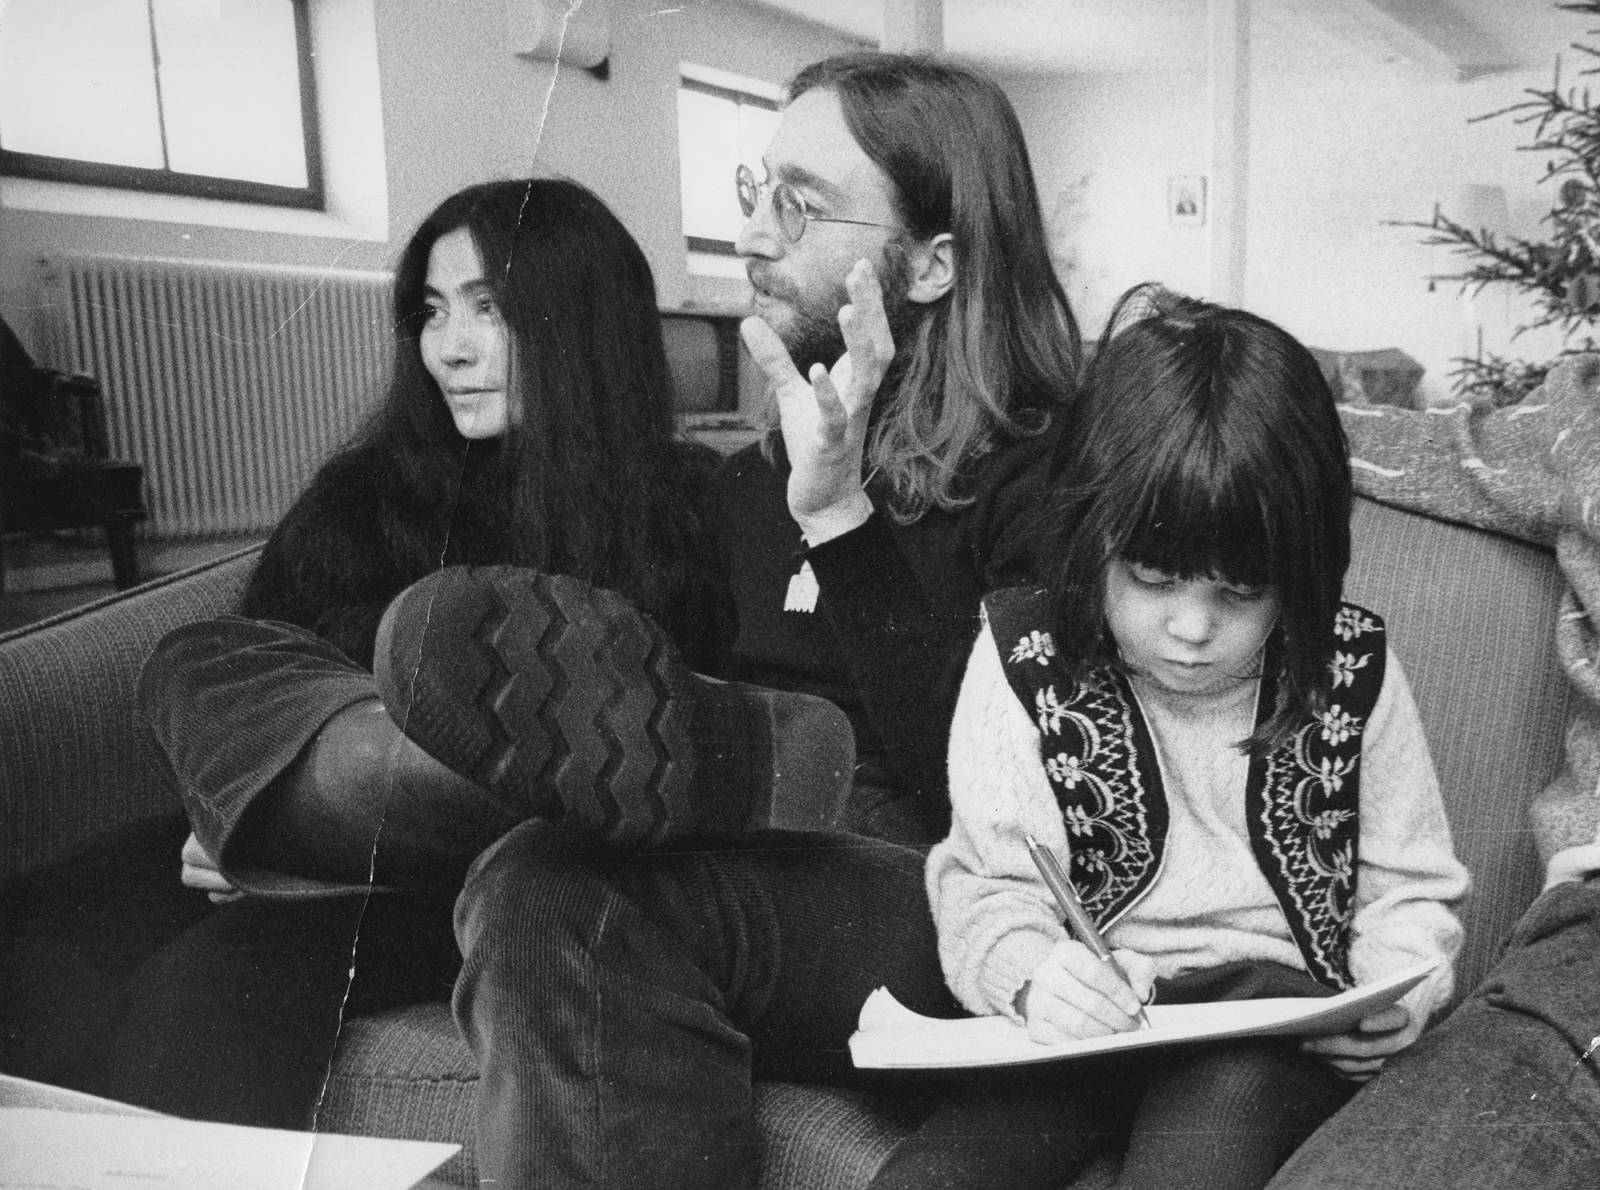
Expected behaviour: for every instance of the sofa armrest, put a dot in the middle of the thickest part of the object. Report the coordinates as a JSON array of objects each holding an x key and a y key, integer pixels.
[{"x": 74, "y": 758}]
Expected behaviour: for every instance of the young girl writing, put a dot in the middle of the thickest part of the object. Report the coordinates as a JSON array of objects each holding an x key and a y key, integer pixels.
[{"x": 1225, "y": 756}]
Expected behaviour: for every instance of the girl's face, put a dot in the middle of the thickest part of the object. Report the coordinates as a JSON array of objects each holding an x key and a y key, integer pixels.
[
  {"x": 1190, "y": 636},
  {"x": 464, "y": 342}
]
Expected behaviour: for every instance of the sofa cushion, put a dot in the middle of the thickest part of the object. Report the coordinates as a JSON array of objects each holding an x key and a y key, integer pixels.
[
  {"x": 406, "y": 1073},
  {"x": 1471, "y": 617}
]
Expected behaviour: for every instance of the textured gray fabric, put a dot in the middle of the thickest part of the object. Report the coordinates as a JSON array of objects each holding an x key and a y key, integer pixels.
[
  {"x": 73, "y": 758},
  {"x": 816, "y": 1139},
  {"x": 829, "y": 1139},
  {"x": 406, "y": 1073},
  {"x": 1531, "y": 470},
  {"x": 1484, "y": 674},
  {"x": 1493, "y": 702}
]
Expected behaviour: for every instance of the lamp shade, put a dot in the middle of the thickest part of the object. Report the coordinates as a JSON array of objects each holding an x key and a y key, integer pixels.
[{"x": 1480, "y": 206}]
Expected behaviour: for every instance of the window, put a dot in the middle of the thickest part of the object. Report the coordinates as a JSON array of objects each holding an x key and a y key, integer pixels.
[
  {"x": 208, "y": 98},
  {"x": 723, "y": 121}
]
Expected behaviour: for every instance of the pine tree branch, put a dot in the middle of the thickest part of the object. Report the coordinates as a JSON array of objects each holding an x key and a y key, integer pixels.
[
  {"x": 1562, "y": 274},
  {"x": 1528, "y": 266}
]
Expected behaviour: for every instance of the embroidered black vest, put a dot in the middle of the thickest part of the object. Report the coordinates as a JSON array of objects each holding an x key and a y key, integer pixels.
[{"x": 1301, "y": 799}]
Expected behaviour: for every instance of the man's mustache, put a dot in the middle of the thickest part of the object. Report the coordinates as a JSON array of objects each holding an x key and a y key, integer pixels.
[{"x": 766, "y": 280}]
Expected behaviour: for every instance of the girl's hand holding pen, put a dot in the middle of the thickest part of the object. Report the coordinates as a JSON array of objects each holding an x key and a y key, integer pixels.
[
  {"x": 1088, "y": 939},
  {"x": 1073, "y": 995}
]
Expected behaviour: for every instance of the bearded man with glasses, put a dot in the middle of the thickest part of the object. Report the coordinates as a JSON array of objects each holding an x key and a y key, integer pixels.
[{"x": 917, "y": 344}]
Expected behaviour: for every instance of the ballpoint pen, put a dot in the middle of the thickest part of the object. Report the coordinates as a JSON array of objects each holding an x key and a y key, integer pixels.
[{"x": 1078, "y": 920}]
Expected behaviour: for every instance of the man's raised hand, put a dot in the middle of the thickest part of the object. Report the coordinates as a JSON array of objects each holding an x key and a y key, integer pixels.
[{"x": 824, "y": 416}]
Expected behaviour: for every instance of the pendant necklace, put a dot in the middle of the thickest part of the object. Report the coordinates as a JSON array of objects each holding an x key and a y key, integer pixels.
[{"x": 802, "y": 592}]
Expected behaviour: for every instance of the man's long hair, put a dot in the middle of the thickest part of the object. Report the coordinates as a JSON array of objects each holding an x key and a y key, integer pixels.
[
  {"x": 586, "y": 480},
  {"x": 991, "y": 359}
]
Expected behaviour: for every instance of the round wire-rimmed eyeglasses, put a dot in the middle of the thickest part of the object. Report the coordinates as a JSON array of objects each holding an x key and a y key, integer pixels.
[{"x": 788, "y": 206}]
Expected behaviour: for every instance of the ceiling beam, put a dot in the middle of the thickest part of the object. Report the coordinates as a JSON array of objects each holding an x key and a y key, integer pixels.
[{"x": 1431, "y": 37}]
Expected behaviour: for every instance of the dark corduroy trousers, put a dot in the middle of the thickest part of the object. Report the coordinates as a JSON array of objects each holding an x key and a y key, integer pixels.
[{"x": 619, "y": 1007}]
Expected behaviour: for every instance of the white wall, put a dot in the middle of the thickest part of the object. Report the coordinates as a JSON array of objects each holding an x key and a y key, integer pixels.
[
  {"x": 459, "y": 107},
  {"x": 1102, "y": 149},
  {"x": 1333, "y": 157}
]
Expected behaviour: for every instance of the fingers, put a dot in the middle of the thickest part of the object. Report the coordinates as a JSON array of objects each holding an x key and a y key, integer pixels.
[
  {"x": 869, "y": 348},
  {"x": 193, "y": 853},
  {"x": 1353, "y": 1045},
  {"x": 832, "y": 415},
  {"x": 205, "y": 879},
  {"x": 1388, "y": 1020},
  {"x": 1075, "y": 995},
  {"x": 1381, "y": 1032},
  {"x": 768, "y": 351},
  {"x": 200, "y": 872},
  {"x": 803, "y": 402},
  {"x": 1359, "y": 1053},
  {"x": 827, "y": 410},
  {"x": 1139, "y": 971},
  {"x": 1052, "y": 1019},
  {"x": 1104, "y": 980},
  {"x": 869, "y": 324},
  {"x": 869, "y": 343},
  {"x": 1357, "y": 1070}
]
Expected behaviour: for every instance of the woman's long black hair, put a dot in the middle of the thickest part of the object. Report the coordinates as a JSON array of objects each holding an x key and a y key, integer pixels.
[
  {"x": 586, "y": 481},
  {"x": 1205, "y": 442}
]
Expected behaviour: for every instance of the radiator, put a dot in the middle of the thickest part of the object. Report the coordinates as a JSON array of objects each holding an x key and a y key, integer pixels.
[{"x": 229, "y": 383}]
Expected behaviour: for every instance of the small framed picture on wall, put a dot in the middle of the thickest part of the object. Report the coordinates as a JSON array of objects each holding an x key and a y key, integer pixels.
[{"x": 1186, "y": 199}]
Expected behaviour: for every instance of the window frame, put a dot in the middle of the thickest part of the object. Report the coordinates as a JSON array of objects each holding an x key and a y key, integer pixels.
[
  {"x": 312, "y": 196},
  {"x": 688, "y": 82}
]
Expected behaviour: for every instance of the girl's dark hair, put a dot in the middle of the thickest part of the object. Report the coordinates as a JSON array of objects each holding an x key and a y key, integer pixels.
[
  {"x": 584, "y": 482},
  {"x": 1205, "y": 442}
]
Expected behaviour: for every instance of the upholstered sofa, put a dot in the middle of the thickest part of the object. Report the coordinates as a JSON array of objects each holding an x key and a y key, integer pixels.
[{"x": 1470, "y": 615}]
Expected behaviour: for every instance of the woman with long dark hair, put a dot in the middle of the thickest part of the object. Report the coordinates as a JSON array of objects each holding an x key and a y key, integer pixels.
[
  {"x": 528, "y": 423},
  {"x": 528, "y": 420},
  {"x": 588, "y": 402}
]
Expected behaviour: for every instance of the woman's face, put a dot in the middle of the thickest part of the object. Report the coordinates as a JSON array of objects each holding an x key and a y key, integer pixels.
[{"x": 464, "y": 342}]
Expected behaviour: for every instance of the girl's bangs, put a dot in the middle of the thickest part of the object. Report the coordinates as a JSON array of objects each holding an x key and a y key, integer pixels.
[{"x": 1197, "y": 525}]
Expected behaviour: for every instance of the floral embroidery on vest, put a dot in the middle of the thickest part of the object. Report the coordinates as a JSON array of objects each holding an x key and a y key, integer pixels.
[{"x": 1301, "y": 799}]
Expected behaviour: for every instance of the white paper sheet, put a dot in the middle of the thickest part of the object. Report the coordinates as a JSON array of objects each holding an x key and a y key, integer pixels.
[
  {"x": 892, "y": 1037},
  {"x": 42, "y": 1149}
]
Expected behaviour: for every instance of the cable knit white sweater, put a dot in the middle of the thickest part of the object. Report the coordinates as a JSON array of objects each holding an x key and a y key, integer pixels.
[{"x": 1210, "y": 904}]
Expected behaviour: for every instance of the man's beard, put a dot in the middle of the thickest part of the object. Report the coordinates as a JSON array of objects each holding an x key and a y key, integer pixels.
[{"x": 812, "y": 334}]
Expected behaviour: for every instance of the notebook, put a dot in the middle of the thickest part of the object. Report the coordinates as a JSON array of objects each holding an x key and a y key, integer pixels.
[{"x": 890, "y": 1036}]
